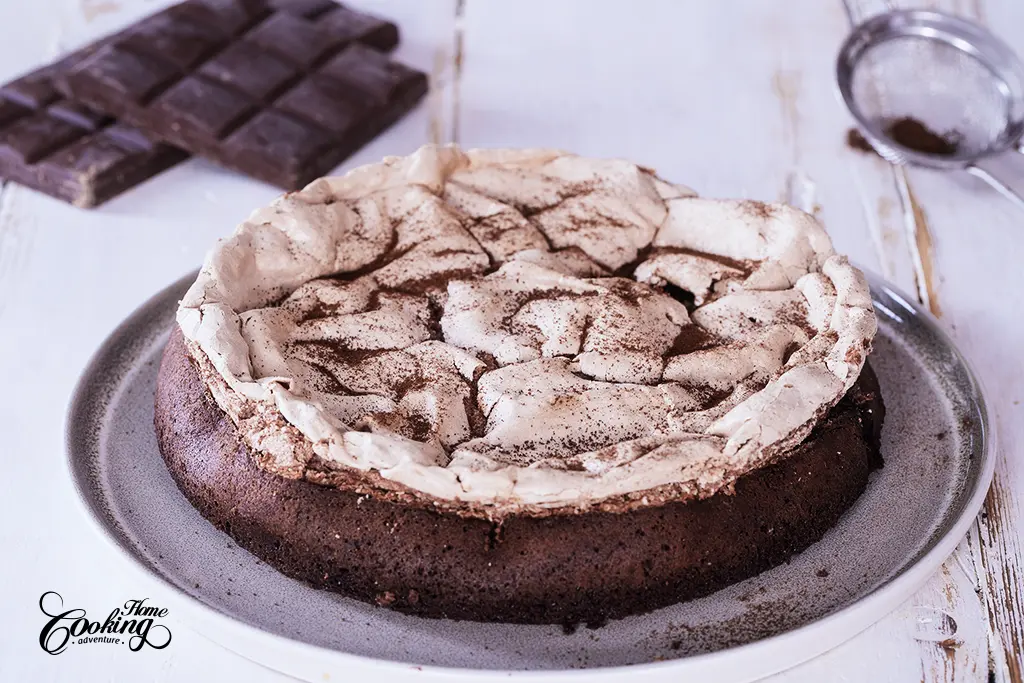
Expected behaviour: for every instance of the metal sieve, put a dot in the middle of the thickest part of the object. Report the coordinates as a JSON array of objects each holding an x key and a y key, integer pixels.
[{"x": 951, "y": 76}]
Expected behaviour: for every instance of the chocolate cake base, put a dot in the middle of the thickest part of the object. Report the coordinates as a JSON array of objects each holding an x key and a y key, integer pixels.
[{"x": 562, "y": 568}]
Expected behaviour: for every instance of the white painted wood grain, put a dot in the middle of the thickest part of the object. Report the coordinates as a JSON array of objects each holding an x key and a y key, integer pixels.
[
  {"x": 735, "y": 99},
  {"x": 938, "y": 635},
  {"x": 957, "y": 230},
  {"x": 999, "y": 550}
]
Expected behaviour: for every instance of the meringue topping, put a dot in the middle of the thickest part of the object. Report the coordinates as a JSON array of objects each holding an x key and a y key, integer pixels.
[{"x": 524, "y": 329}]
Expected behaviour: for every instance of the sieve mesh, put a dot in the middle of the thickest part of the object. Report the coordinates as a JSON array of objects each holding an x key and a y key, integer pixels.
[{"x": 948, "y": 90}]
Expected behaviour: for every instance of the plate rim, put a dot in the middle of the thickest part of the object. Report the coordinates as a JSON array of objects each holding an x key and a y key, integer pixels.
[{"x": 865, "y": 611}]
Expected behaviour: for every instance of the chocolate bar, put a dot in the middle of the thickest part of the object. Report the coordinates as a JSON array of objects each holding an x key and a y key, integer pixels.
[
  {"x": 67, "y": 150},
  {"x": 282, "y": 91}
]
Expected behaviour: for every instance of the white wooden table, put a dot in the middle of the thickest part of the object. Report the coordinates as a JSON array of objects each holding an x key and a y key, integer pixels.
[{"x": 731, "y": 98}]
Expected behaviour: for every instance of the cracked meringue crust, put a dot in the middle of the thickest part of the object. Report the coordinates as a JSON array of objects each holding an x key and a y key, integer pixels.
[{"x": 524, "y": 331}]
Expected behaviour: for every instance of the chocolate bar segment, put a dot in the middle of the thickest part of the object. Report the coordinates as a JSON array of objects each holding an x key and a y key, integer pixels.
[
  {"x": 66, "y": 149},
  {"x": 282, "y": 90}
]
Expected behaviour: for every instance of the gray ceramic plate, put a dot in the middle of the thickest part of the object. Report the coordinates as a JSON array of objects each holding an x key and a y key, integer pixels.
[{"x": 938, "y": 464}]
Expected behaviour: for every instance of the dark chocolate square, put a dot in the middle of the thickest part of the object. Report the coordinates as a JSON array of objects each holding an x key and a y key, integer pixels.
[
  {"x": 33, "y": 91},
  {"x": 124, "y": 74},
  {"x": 78, "y": 115},
  {"x": 249, "y": 69},
  {"x": 98, "y": 167},
  {"x": 371, "y": 73},
  {"x": 9, "y": 111},
  {"x": 276, "y": 143},
  {"x": 232, "y": 17},
  {"x": 207, "y": 109},
  {"x": 36, "y": 136},
  {"x": 294, "y": 39},
  {"x": 130, "y": 137},
  {"x": 352, "y": 26},
  {"x": 173, "y": 38},
  {"x": 91, "y": 156},
  {"x": 325, "y": 102}
]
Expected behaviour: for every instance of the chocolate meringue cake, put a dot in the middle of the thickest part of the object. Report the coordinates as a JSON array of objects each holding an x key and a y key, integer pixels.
[{"x": 521, "y": 386}]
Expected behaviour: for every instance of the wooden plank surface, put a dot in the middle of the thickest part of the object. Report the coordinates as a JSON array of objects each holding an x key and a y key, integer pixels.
[
  {"x": 734, "y": 99},
  {"x": 959, "y": 233}
]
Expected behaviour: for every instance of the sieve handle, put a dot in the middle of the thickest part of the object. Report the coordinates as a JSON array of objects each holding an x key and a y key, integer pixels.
[{"x": 1004, "y": 172}]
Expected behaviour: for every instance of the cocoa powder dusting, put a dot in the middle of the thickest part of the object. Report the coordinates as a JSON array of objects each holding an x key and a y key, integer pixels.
[
  {"x": 691, "y": 338},
  {"x": 910, "y": 133},
  {"x": 856, "y": 140}
]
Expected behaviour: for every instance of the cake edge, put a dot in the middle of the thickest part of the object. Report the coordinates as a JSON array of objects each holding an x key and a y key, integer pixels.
[{"x": 554, "y": 568}]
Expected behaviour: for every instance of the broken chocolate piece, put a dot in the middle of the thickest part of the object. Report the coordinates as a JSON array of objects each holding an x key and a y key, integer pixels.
[{"x": 67, "y": 150}]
